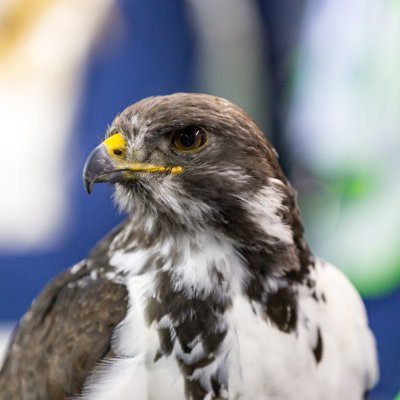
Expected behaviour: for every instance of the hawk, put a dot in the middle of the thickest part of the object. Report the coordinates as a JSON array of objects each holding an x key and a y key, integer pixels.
[{"x": 208, "y": 290}]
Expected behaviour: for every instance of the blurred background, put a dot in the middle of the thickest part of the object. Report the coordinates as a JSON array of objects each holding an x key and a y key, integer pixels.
[{"x": 322, "y": 78}]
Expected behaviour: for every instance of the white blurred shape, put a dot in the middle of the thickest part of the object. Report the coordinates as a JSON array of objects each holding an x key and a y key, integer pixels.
[
  {"x": 345, "y": 105},
  {"x": 40, "y": 79},
  {"x": 5, "y": 335}
]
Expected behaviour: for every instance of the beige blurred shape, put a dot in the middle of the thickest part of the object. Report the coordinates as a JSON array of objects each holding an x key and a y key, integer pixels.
[{"x": 44, "y": 45}]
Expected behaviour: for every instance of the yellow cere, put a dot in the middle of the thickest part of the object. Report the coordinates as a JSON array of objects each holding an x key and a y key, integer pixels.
[{"x": 116, "y": 148}]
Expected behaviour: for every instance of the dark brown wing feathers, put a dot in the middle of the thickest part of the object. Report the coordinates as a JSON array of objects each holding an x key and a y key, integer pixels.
[{"x": 65, "y": 333}]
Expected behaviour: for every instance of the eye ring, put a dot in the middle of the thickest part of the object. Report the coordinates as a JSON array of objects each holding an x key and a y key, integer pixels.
[{"x": 191, "y": 139}]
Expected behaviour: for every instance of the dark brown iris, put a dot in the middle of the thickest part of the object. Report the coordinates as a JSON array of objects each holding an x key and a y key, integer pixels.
[{"x": 189, "y": 139}]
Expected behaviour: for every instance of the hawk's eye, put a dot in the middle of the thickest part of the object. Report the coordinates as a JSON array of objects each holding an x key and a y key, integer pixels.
[{"x": 189, "y": 139}]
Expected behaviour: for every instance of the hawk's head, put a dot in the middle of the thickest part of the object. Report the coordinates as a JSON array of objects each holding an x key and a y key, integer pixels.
[{"x": 197, "y": 161}]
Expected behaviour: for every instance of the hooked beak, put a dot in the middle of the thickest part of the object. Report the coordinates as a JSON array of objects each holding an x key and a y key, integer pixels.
[{"x": 106, "y": 163}]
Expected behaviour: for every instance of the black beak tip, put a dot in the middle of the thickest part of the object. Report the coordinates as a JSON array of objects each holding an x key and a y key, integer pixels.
[{"x": 88, "y": 184}]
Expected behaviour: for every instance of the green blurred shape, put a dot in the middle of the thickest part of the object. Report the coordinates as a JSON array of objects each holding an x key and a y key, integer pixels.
[
  {"x": 350, "y": 185},
  {"x": 377, "y": 284}
]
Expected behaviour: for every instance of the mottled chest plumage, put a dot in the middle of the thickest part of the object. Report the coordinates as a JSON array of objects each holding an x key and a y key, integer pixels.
[
  {"x": 193, "y": 332},
  {"x": 188, "y": 297}
]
